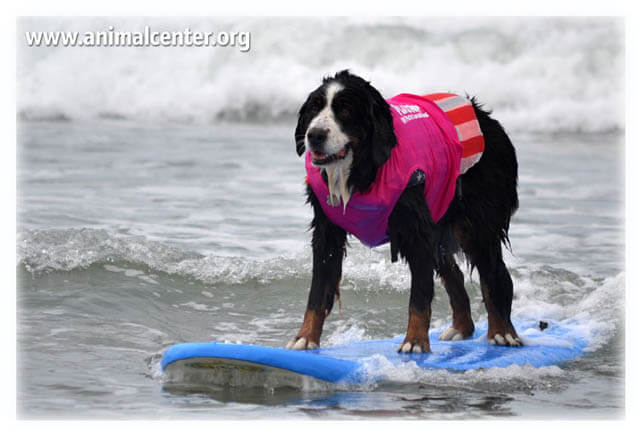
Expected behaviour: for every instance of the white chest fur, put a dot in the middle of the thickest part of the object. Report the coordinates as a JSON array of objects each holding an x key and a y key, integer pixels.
[{"x": 337, "y": 176}]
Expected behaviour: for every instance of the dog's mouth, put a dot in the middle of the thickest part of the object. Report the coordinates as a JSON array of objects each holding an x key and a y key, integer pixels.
[{"x": 320, "y": 159}]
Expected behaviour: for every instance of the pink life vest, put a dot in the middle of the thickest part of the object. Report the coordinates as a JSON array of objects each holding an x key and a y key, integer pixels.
[{"x": 427, "y": 140}]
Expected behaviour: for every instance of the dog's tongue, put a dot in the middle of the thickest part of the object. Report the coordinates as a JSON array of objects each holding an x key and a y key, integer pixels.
[{"x": 317, "y": 155}]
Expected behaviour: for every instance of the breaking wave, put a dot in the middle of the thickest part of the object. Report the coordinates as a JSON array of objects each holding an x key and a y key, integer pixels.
[{"x": 538, "y": 74}]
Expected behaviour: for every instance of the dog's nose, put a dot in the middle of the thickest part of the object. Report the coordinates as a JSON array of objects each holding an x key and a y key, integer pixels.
[{"x": 317, "y": 136}]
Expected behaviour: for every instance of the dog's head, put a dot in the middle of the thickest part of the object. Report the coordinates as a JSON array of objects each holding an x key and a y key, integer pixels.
[{"x": 346, "y": 121}]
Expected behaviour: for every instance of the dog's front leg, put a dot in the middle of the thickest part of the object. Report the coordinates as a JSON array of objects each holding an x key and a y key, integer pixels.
[
  {"x": 328, "y": 244},
  {"x": 410, "y": 233},
  {"x": 417, "y": 338}
]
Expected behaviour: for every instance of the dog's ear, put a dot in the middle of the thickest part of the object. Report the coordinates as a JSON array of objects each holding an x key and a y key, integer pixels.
[
  {"x": 301, "y": 128},
  {"x": 383, "y": 138}
]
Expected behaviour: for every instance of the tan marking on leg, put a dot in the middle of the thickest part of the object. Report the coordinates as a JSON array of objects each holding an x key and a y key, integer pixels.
[{"x": 311, "y": 327}]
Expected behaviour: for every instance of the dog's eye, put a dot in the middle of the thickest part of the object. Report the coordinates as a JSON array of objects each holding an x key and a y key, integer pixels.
[
  {"x": 345, "y": 113},
  {"x": 316, "y": 103}
]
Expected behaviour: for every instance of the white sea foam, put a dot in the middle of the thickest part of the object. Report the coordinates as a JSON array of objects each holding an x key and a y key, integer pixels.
[
  {"x": 346, "y": 333},
  {"x": 377, "y": 369},
  {"x": 538, "y": 74},
  {"x": 70, "y": 249}
]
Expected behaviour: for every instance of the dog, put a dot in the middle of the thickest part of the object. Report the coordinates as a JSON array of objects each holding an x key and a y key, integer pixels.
[{"x": 349, "y": 134}]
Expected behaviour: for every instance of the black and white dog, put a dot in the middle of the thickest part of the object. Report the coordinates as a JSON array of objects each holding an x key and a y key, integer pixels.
[{"x": 347, "y": 127}]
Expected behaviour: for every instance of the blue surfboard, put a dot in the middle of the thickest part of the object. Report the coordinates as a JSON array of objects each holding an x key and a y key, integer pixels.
[{"x": 347, "y": 363}]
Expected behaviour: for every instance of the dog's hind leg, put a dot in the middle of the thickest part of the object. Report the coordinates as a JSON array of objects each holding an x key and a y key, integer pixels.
[
  {"x": 497, "y": 294},
  {"x": 453, "y": 281},
  {"x": 488, "y": 199}
]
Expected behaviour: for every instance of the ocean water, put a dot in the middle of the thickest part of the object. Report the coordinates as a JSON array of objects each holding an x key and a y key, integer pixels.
[{"x": 160, "y": 200}]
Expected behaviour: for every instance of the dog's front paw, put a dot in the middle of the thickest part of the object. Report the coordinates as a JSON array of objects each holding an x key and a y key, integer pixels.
[
  {"x": 309, "y": 335},
  {"x": 417, "y": 338},
  {"x": 301, "y": 343},
  {"x": 414, "y": 346}
]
